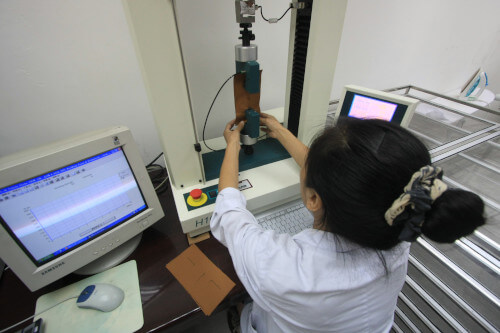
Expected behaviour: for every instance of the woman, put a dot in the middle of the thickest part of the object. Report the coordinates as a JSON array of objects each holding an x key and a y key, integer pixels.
[{"x": 371, "y": 189}]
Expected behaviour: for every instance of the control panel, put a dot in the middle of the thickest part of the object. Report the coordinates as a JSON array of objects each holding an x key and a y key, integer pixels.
[
  {"x": 201, "y": 197},
  {"x": 206, "y": 196}
]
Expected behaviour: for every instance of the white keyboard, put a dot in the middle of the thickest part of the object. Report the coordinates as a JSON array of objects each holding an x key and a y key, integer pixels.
[{"x": 290, "y": 218}]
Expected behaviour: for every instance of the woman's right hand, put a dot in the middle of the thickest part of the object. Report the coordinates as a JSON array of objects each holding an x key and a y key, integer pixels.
[
  {"x": 272, "y": 125},
  {"x": 276, "y": 131}
]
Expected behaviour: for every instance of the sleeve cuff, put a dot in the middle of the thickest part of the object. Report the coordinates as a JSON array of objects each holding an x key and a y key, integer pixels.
[{"x": 230, "y": 198}]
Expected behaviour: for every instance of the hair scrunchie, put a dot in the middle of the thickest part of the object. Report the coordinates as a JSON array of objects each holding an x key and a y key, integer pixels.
[{"x": 424, "y": 187}]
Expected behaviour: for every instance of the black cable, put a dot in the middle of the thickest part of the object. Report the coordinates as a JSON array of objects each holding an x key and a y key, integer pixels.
[
  {"x": 262, "y": 14},
  {"x": 160, "y": 180},
  {"x": 159, "y": 177},
  {"x": 161, "y": 187},
  {"x": 155, "y": 171},
  {"x": 157, "y": 157},
  {"x": 209, "y": 110},
  {"x": 283, "y": 13},
  {"x": 37, "y": 314}
]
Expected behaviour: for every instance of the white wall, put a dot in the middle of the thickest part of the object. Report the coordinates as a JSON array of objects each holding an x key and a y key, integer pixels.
[
  {"x": 68, "y": 67},
  {"x": 437, "y": 45}
]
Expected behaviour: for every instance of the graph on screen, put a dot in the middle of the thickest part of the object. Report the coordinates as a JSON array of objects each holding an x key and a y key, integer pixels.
[{"x": 91, "y": 207}]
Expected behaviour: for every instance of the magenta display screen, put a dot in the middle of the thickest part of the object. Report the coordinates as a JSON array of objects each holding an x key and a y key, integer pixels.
[
  {"x": 371, "y": 108},
  {"x": 367, "y": 107}
]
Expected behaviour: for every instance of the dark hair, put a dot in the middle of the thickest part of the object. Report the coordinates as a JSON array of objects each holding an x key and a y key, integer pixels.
[
  {"x": 454, "y": 214},
  {"x": 359, "y": 167}
]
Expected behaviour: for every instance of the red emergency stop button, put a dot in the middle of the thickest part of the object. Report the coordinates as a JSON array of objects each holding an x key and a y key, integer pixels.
[
  {"x": 196, "y": 194},
  {"x": 196, "y": 198}
]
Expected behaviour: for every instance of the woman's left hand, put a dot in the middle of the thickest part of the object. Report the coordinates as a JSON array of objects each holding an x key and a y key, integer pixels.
[
  {"x": 229, "y": 169},
  {"x": 233, "y": 136}
]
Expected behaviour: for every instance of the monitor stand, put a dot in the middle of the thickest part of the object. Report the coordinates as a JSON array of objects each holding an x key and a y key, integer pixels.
[{"x": 112, "y": 258}]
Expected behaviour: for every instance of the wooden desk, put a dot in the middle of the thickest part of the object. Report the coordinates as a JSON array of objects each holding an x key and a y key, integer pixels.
[{"x": 165, "y": 303}]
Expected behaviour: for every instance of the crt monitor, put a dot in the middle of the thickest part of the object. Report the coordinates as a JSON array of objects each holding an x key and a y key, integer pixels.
[
  {"x": 79, "y": 204},
  {"x": 360, "y": 102}
]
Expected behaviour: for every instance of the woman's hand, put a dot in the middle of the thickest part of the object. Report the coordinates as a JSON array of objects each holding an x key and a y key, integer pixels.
[
  {"x": 272, "y": 125},
  {"x": 229, "y": 168},
  {"x": 232, "y": 136},
  {"x": 276, "y": 131}
]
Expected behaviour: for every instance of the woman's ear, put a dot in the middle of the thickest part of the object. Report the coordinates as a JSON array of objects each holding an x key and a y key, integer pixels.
[{"x": 313, "y": 200}]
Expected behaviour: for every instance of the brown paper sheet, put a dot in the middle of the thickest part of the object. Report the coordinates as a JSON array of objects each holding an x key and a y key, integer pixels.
[
  {"x": 204, "y": 281},
  {"x": 242, "y": 99}
]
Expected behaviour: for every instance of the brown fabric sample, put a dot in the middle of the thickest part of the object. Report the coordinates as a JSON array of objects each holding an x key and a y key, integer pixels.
[
  {"x": 204, "y": 281},
  {"x": 242, "y": 99}
]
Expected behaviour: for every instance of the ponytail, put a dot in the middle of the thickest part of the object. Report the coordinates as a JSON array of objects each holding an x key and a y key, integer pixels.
[
  {"x": 428, "y": 207},
  {"x": 456, "y": 213}
]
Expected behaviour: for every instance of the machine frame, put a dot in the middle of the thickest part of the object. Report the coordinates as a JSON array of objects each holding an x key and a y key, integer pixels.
[{"x": 154, "y": 31}]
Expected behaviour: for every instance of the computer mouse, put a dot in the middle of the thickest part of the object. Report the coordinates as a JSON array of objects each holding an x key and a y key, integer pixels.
[{"x": 100, "y": 296}]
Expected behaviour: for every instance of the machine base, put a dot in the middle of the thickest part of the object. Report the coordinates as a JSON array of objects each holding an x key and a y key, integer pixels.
[
  {"x": 265, "y": 151},
  {"x": 264, "y": 187}
]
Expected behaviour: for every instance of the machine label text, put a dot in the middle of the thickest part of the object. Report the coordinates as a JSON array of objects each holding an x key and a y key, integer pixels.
[
  {"x": 244, "y": 185},
  {"x": 202, "y": 222}
]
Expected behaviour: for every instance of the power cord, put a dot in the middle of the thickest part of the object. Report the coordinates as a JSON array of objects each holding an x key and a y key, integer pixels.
[
  {"x": 210, "y": 109},
  {"x": 37, "y": 314},
  {"x": 274, "y": 20}
]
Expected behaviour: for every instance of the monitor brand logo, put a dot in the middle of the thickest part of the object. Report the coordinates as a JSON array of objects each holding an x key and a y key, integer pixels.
[{"x": 53, "y": 268}]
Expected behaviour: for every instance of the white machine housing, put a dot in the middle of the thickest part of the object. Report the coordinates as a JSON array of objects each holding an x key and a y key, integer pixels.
[{"x": 154, "y": 30}]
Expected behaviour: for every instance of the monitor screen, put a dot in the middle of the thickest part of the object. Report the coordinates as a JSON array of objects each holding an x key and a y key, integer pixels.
[
  {"x": 79, "y": 204},
  {"x": 371, "y": 108},
  {"x": 365, "y": 103},
  {"x": 58, "y": 211}
]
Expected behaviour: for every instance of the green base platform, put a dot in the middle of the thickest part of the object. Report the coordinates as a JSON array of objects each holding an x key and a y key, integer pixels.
[{"x": 264, "y": 152}]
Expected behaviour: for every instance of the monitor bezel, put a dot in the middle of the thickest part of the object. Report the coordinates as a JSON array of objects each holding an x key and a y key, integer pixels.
[
  {"x": 28, "y": 164},
  {"x": 39, "y": 263},
  {"x": 404, "y": 110}
]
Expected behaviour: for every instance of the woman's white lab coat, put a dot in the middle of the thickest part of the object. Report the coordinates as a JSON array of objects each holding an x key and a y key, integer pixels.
[{"x": 311, "y": 282}]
